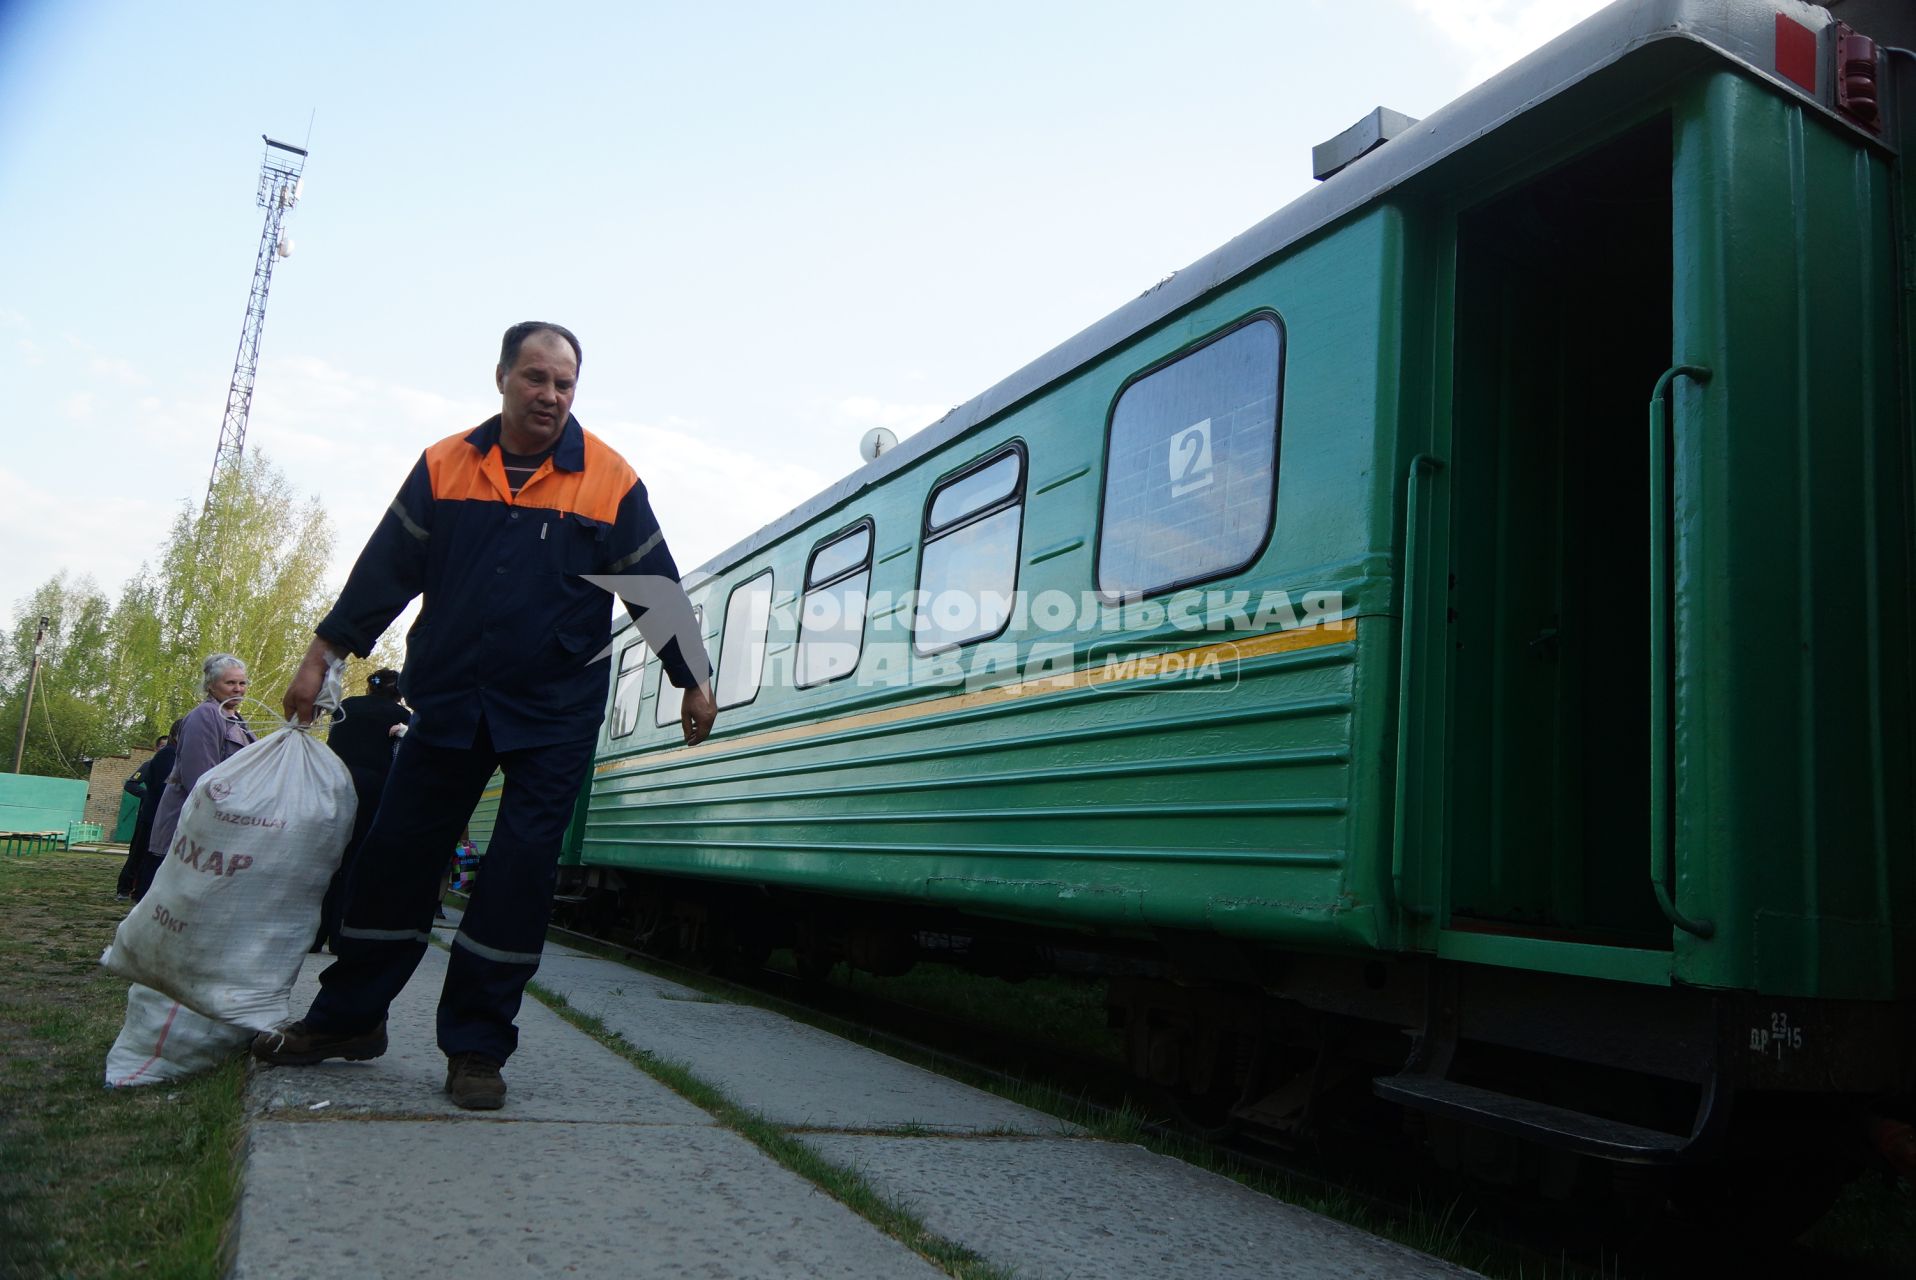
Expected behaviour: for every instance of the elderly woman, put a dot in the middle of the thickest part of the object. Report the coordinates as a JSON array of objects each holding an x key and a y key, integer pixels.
[{"x": 207, "y": 735}]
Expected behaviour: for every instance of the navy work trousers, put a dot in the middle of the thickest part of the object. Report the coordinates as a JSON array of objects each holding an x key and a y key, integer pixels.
[{"x": 393, "y": 886}]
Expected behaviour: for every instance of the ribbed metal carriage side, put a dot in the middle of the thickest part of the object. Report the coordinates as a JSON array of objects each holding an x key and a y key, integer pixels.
[{"x": 1235, "y": 799}]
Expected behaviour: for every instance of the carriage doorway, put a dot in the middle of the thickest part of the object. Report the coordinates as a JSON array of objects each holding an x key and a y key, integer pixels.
[{"x": 1563, "y": 300}]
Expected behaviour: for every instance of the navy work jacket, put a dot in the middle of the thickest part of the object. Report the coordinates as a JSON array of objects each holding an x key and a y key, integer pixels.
[{"x": 509, "y": 630}]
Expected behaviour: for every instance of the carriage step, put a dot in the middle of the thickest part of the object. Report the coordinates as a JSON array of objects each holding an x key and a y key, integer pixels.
[{"x": 1553, "y": 1126}]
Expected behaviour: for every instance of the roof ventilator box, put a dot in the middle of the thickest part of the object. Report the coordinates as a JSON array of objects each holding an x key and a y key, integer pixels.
[{"x": 1362, "y": 138}]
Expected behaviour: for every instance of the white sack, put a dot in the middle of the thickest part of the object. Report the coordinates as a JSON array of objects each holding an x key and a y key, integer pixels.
[
  {"x": 235, "y": 903},
  {"x": 164, "y": 1040}
]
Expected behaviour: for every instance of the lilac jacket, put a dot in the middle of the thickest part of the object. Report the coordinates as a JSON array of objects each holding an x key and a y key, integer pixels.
[{"x": 204, "y": 742}]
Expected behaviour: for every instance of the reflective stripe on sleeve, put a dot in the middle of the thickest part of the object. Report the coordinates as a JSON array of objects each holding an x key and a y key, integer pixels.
[
  {"x": 399, "y": 510},
  {"x": 626, "y": 562}
]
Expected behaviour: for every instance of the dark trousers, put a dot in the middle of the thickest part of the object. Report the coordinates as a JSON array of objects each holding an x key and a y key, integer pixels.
[
  {"x": 130, "y": 870},
  {"x": 143, "y": 873},
  {"x": 369, "y": 785},
  {"x": 394, "y": 883},
  {"x": 130, "y": 877}
]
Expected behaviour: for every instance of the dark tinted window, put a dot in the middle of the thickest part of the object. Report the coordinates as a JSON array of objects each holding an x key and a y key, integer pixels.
[
  {"x": 974, "y": 491},
  {"x": 741, "y": 662},
  {"x": 970, "y": 565},
  {"x": 831, "y": 627},
  {"x": 1191, "y": 477},
  {"x": 629, "y": 688}
]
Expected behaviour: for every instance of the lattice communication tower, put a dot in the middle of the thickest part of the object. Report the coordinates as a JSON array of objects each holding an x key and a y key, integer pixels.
[{"x": 279, "y": 183}]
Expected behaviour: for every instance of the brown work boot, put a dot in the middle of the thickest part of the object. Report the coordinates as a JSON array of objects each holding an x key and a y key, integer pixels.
[
  {"x": 297, "y": 1045},
  {"x": 473, "y": 1081}
]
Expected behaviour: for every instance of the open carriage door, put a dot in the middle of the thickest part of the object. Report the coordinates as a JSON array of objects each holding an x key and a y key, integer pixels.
[{"x": 1562, "y": 327}]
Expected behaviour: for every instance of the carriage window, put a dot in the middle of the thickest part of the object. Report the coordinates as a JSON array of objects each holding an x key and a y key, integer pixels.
[
  {"x": 970, "y": 564},
  {"x": 628, "y": 689},
  {"x": 1191, "y": 477},
  {"x": 671, "y": 698},
  {"x": 831, "y": 628},
  {"x": 741, "y": 662}
]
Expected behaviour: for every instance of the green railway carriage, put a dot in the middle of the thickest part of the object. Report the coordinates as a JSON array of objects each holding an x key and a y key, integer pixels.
[{"x": 1331, "y": 633}]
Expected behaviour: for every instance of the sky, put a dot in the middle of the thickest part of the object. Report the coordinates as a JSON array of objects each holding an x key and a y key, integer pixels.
[{"x": 773, "y": 226}]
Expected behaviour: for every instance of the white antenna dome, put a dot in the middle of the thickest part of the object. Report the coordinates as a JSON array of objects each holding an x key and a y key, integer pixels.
[
  {"x": 285, "y": 246},
  {"x": 875, "y": 442}
]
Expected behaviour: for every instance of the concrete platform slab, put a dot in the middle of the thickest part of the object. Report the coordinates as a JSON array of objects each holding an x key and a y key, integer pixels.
[
  {"x": 484, "y": 1200},
  {"x": 791, "y": 1073},
  {"x": 577, "y": 969},
  {"x": 559, "y": 1072},
  {"x": 1063, "y": 1207}
]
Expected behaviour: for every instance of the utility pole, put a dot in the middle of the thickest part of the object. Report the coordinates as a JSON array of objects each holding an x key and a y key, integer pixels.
[
  {"x": 279, "y": 185},
  {"x": 33, "y": 678}
]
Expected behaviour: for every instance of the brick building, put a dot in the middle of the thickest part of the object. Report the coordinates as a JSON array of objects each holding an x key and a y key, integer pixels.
[{"x": 104, "y": 786}]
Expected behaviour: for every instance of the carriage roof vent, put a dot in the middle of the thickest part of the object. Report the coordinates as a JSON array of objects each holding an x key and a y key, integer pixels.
[{"x": 1362, "y": 138}]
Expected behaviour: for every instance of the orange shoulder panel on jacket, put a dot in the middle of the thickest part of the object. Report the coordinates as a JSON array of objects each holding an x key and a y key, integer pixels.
[
  {"x": 605, "y": 482},
  {"x": 457, "y": 471}
]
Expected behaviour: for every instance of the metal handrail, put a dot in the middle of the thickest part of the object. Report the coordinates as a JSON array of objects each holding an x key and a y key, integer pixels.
[
  {"x": 1662, "y": 848},
  {"x": 1422, "y": 464}
]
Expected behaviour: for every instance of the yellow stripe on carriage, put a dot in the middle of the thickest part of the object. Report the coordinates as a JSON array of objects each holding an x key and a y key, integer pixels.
[{"x": 1144, "y": 667}]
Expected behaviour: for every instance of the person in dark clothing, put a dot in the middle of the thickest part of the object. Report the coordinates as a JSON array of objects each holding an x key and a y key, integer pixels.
[
  {"x": 511, "y": 532},
  {"x": 363, "y": 737},
  {"x": 148, "y": 782}
]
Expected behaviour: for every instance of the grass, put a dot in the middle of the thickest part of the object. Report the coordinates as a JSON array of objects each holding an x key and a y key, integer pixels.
[
  {"x": 843, "y": 1184},
  {"x": 97, "y": 1182},
  {"x": 1872, "y": 1225}
]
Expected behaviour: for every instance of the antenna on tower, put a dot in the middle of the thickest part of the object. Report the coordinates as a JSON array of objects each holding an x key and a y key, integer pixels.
[{"x": 279, "y": 189}]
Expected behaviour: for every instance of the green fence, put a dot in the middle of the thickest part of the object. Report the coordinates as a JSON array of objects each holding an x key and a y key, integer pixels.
[{"x": 40, "y": 813}]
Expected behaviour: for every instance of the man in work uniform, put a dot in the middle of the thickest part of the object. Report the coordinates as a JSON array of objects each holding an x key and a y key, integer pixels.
[{"x": 505, "y": 667}]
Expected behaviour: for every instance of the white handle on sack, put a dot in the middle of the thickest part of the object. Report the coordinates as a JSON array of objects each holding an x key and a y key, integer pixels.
[{"x": 326, "y": 705}]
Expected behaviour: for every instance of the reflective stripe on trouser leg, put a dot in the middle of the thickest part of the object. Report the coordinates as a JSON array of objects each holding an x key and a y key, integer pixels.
[
  {"x": 497, "y": 949},
  {"x": 394, "y": 880}
]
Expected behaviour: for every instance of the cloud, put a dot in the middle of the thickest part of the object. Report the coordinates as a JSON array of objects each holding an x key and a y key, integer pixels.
[
  {"x": 708, "y": 496},
  {"x": 869, "y": 411},
  {"x": 351, "y": 438},
  {"x": 113, "y": 368},
  {"x": 1495, "y": 33},
  {"x": 348, "y": 438},
  {"x": 47, "y": 529},
  {"x": 117, "y": 370}
]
